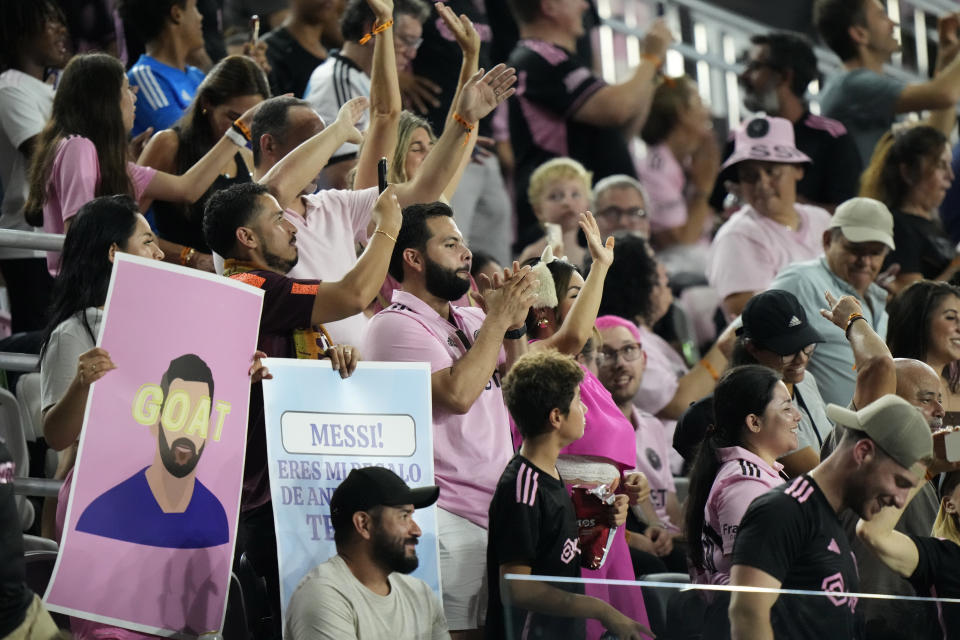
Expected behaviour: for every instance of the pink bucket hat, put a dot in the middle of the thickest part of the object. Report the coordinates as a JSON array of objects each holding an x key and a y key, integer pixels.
[{"x": 765, "y": 139}]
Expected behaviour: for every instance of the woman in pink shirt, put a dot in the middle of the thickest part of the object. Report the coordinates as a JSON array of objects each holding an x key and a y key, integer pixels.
[
  {"x": 755, "y": 422},
  {"x": 563, "y": 319},
  {"x": 83, "y": 151}
]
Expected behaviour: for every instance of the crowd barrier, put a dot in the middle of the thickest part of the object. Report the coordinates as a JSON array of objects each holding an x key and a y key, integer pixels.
[{"x": 677, "y": 609}]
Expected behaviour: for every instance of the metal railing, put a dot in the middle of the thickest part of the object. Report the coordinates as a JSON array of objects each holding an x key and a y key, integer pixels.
[{"x": 10, "y": 238}]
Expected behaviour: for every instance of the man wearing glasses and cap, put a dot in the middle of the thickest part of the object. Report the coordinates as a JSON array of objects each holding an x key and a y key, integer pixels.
[
  {"x": 771, "y": 230},
  {"x": 854, "y": 247},
  {"x": 363, "y": 592},
  {"x": 791, "y": 537}
]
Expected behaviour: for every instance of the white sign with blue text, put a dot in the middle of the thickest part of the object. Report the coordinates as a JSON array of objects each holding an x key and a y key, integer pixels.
[{"x": 319, "y": 427}]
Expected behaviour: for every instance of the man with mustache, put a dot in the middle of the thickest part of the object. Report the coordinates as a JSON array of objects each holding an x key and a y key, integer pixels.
[
  {"x": 164, "y": 504},
  {"x": 363, "y": 592}
]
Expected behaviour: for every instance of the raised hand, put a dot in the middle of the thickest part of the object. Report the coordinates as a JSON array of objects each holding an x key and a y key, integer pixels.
[
  {"x": 658, "y": 39},
  {"x": 511, "y": 300},
  {"x": 948, "y": 29},
  {"x": 483, "y": 92},
  {"x": 840, "y": 310},
  {"x": 349, "y": 115},
  {"x": 602, "y": 253},
  {"x": 257, "y": 51},
  {"x": 387, "y": 213},
  {"x": 382, "y": 9},
  {"x": 462, "y": 29}
]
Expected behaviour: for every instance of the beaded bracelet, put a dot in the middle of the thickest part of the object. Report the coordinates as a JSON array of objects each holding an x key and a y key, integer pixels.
[{"x": 853, "y": 318}]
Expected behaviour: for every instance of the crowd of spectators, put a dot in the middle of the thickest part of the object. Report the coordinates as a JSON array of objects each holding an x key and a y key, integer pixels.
[{"x": 772, "y": 320}]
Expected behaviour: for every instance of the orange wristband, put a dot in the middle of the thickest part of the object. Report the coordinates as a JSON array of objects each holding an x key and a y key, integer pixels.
[
  {"x": 709, "y": 367},
  {"x": 466, "y": 125},
  {"x": 376, "y": 29},
  {"x": 656, "y": 60},
  {"x": 243, "y": 128}
]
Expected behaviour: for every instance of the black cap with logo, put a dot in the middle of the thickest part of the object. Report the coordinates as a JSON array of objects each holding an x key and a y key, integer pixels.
[
  {"x": 373, "y": 486},
  {"x": 774, "y": 320}
]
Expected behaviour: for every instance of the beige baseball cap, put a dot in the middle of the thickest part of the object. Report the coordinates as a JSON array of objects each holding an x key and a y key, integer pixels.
[
  {"x": 864, "y": 220},
  {"x": 895, "y": 425}
]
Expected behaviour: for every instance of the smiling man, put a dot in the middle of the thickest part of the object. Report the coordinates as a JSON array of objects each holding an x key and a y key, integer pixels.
[
  {"x": 363, "y": 592},
  {"x": 854, "y": 247},
  {"x": 791, "y": 537},
  {"x": 164, "y": 504}
]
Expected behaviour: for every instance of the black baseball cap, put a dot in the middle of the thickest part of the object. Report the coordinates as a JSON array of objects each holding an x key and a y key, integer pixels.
[
  {"x": 374, "y": 486},
  {"x": 775, "y": 320}
]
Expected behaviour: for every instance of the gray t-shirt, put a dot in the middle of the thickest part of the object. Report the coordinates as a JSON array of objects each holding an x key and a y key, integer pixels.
[
  {"x": 331, "y": 604},
  {"x": 864, "y": 101},
  {"x": 59, "y": 365}
]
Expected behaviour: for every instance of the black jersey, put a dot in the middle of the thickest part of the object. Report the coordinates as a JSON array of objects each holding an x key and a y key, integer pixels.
[
  {"x": 793, "y": 534},
  {"x": 532, "y": 522},
  {"x": 938, "y": 576}
]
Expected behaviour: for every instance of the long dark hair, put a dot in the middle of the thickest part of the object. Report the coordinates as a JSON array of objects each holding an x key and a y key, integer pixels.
[
  {"x": 630, "y": 280},
  {"x": 85, "y": 266},
  {"x": 908, "y": 330},
  {"x": 232, "y": 77},
  {"x": 87, "y": 103},
  {"x": 741, "y": 391}
]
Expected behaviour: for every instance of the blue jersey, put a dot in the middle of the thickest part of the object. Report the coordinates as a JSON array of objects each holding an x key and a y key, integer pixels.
[{"x": 165, "y": 93}]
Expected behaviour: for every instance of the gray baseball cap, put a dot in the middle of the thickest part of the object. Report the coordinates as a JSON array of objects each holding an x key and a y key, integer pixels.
[
  {"x": 895, "y": 425},
  {"x": 864, "y": 220}
]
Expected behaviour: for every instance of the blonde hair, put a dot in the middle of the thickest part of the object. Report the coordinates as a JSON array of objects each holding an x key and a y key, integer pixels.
[
  {"x": 557, "y": 169},
  {"x": 406, "y": 127},
  {"x": 407, "y": 124},
  {"x": 947, "y": 525}
]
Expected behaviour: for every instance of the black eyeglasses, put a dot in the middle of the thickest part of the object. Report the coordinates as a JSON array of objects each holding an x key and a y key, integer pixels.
[
  {"x": 608, "y": 357},
  {"x": 807, "y": 351}
]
